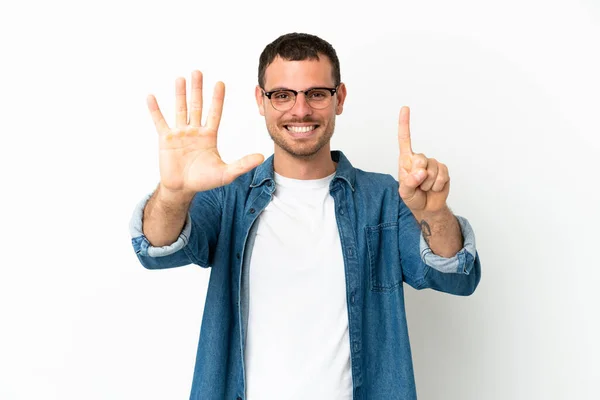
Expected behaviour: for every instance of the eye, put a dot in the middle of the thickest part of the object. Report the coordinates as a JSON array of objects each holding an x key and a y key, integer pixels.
[
  {"x": 317, "y": 94},
  {"x": 281, "y": 95}
]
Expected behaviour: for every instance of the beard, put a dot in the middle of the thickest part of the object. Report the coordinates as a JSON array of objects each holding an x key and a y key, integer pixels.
[{"x": 302, "y": 148}]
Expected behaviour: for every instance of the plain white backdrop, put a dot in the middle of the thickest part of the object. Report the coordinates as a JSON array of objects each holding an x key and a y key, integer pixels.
[{"x": 505, "y": 93}]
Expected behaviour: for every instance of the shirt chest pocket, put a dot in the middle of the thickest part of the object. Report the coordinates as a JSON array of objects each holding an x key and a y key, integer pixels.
[{"x": 384, "y": 259}]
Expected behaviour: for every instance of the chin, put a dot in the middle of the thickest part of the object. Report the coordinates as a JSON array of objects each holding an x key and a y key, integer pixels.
[{"x": 304, "y": 147}]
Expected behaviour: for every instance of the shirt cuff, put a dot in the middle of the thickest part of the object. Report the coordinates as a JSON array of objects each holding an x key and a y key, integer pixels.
[
  {"x": 462, "y": 262},
  {"x": 142, "y": 246}
]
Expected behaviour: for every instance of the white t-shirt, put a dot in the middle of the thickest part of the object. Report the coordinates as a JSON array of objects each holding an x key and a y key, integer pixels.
[{"x": 297, "y": 341}]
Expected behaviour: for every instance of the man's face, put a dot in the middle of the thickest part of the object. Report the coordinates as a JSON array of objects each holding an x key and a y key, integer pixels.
[{"x": 301, "y": 131}]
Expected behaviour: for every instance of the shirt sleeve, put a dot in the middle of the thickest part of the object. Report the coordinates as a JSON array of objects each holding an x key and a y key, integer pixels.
[
  {"x": 196, "y": 242},
  {"x": 422, "y": 269},
  {"x": 459, "y": 262},
  {"x": 142, "y": 246}
]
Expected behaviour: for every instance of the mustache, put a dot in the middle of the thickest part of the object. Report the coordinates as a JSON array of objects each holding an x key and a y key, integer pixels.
[{"x": 301, "y": 121}]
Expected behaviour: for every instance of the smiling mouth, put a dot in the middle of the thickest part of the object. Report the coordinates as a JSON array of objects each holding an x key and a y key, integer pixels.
[{"x": 301, "y": 129}]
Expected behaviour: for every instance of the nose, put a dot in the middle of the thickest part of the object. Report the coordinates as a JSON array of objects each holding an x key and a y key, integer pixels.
[{"x": 301, "y": 107}]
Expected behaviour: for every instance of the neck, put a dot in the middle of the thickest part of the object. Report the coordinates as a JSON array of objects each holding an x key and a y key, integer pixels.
[{"x": 316, "y": 166}]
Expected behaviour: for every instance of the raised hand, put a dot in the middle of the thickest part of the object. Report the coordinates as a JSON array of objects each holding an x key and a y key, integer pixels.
[
  {"x": 188, "y": 157},
  {"x": 424, "y": 182}
]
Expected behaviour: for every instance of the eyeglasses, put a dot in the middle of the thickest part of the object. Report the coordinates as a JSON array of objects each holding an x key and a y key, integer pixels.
[{"x": 284, "y": 99}]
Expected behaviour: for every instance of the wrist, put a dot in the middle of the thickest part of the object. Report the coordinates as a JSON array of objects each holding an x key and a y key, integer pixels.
[
  {"x": 434, "y": 216},
  {"x": 173, "y": 198}
]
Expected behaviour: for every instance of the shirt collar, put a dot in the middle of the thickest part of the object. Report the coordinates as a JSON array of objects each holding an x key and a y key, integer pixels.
[{"x": 344, "y": 171}]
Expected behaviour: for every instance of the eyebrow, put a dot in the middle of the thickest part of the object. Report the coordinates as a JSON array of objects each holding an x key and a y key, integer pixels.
[{"x": 277, "y": 88}]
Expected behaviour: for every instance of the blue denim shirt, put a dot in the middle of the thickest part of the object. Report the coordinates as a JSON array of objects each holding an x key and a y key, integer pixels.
[{"x": 382, "y": 248}]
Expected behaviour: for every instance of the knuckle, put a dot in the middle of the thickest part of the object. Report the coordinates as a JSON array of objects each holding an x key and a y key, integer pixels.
[
  {"x": 418, "y": 163},
  {"x": 177, "y": 132},
  {"x": 439, "y": 184}
]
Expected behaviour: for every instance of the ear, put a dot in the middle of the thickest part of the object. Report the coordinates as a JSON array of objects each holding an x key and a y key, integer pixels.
[
  {"x": 341, "y": 97},
  {"x": 258, "y": 93}
]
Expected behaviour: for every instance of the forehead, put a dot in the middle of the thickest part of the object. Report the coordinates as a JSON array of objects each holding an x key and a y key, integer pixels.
[{"x": 299, "y": 74}]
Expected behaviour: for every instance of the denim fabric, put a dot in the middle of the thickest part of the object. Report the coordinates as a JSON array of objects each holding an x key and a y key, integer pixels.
[{"x": 382, "y": 248}]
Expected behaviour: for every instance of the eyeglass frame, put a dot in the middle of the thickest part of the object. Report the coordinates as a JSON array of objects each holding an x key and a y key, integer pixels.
[{"x": 271, "y": 92}]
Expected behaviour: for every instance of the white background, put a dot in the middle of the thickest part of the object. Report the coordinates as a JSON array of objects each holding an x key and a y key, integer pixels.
[{"x": 505, "y": 93}]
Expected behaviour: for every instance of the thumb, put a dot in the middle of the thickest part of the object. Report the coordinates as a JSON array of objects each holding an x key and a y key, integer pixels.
[
  {"x": 409, "y": 182},
  {"x": 241, "y": 166}
]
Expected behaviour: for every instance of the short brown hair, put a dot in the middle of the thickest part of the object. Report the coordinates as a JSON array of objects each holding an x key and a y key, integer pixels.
[{"x": 298, "y": 47}]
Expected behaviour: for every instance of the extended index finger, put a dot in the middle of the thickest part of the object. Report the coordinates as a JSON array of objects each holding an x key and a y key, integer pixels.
[{"x": 404, "y": 132}]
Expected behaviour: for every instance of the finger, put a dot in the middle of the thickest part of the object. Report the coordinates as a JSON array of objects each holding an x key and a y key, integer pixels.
[
  {"x": 196, "y": 110},
  {"x": 419, "y": 161},
  {"x": 404, "y": 133},
  {"x": 216, "y": 107},
  {"x": 432, "y": 174},
  {"x": 241, "y": 166},
  {"x": 180, "y": 103},
  {"x": 443, "y": 179},
  {"x": 410, "y": 181},
  {"x": 159, "y": 121}
]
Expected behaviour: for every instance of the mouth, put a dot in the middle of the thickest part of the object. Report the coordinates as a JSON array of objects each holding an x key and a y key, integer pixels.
[{"x": 301, "y": 130}]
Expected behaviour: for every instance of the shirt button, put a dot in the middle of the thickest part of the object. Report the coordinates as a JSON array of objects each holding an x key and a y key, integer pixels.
[
  {"x": 269, "y": 184},
  {"x": 352, "y": 299},
  {"x": 238, "y": 256},
  {"x": 252, "y": 211}
]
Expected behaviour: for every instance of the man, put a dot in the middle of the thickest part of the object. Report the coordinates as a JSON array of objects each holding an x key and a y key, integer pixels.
[{"x": 308, "y": 254}]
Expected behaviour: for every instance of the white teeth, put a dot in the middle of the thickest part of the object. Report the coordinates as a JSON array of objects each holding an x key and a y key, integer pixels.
[{"x": 300, "y": 129}]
